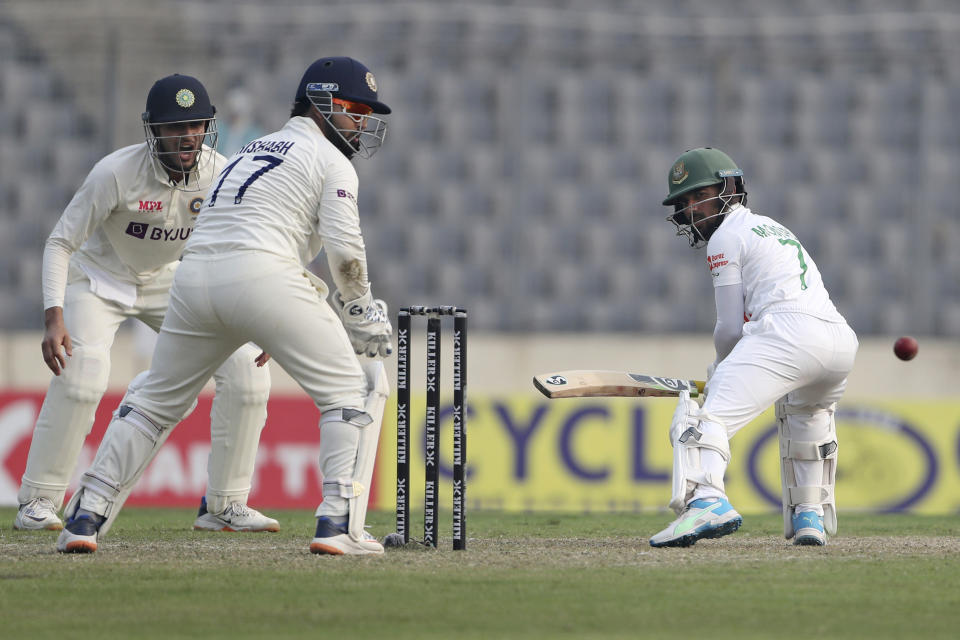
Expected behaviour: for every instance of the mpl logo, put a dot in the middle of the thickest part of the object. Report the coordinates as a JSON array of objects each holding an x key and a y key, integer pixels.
[
  {"x": 151, "y": 205},
  {"x": 137, "y": 230}
]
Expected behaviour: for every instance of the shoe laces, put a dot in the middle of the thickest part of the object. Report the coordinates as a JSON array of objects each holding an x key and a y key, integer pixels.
[
  {"x": 237, "y": 509},
  {"x": 39, "y": 504}
]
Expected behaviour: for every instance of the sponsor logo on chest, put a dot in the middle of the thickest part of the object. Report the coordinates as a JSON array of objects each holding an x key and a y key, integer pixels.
[
  {"x": 151, "y": 205},
  {"x": 145, "y": 231}
]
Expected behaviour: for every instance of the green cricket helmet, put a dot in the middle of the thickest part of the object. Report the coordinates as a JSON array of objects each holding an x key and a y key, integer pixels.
[
  {"x": 695, "y": 169},
  {"x": 698, "y": 168}
]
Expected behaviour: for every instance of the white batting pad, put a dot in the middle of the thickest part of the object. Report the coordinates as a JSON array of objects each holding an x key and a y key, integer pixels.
[
  {"x": 130, "y": 443},
  {"x": 808, "y": 463},
  {"x": 692, "y": 432},
  {"x": 348, "y": 444},
  {"x": 237, "y": 417},
  {"x": 64, "y": 421},
  {"x": 378, "y": 389}
]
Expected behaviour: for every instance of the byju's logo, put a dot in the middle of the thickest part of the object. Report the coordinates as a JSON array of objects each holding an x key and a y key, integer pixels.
[
  {"x": 137, "y": 230},
  {"x": 343, "y": 193}
]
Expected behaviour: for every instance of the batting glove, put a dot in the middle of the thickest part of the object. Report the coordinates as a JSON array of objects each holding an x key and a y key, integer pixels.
[{"x": 367, "y": 323}]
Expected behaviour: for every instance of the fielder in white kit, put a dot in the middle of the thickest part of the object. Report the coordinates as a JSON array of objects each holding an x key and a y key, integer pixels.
[
  {"x": 243, "y": 278},
  {"x": 112, "y": 256},
  {"x": 779, "y": 340}
]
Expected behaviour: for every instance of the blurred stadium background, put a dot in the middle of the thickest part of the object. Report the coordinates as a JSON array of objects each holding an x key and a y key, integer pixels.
[
  {"x": 522, "y": 177},
  {"x": 532, "y": 139}
]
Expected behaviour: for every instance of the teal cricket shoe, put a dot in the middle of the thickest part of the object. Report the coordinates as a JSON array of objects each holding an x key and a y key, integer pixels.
[
  {"x": 705, "y": 518},
  {"x": 808, "y": 529}
]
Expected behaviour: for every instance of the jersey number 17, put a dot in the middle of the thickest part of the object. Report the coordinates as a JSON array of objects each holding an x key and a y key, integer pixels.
[{"x": 272, "y": 163}]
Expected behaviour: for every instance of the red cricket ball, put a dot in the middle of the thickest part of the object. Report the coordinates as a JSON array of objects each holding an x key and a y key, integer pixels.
[{"x": 906, "y": 347}]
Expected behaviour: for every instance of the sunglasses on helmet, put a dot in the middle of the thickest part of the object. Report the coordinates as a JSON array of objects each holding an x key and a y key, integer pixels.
[{"x": 356, "y": 108}]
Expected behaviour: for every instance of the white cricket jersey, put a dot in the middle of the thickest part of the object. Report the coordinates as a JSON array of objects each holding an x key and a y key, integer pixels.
[
  {"x": 288, "y": 193},
  {"x": 776, "y": 273},
  {"x": 126, "y": 222}
]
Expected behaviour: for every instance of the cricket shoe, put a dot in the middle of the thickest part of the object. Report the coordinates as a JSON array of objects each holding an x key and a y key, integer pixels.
[
  {"x": 332, "y": 539},
  {"x": 80, "y": 534},
  {"x": 701, "y": 519},
  {"x": 236, "y": 517},
  {"x": 808, "y": 529},
  {"x": 36, "y": 515}
]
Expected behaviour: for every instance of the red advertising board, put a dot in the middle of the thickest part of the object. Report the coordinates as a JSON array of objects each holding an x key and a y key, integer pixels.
[{"x": 286, "y": 475}]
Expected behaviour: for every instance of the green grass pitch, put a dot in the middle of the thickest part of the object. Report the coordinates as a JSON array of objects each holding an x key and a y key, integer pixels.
[{"x": 522, "y": 576}]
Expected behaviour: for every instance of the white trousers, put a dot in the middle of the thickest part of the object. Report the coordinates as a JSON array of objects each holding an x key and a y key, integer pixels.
[
  {"x": 217, "y": 304},
  {"x": 782, "y": 354},
  {"x": 792, "y": 357},
  {"x": 220, "y": 303},
  {"x": 69, "y": 408}
]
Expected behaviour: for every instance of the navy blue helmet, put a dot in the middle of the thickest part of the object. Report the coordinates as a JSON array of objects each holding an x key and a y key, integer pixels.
[
  {"x": 339, "y": 87},
  {"x": 177, "y": 98},
  {"x": 175, "y": 106},
  {"x": 344, "y": 78}
]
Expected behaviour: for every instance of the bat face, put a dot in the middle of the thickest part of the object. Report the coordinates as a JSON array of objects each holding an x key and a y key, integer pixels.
[{"x": 590, "y": 383}]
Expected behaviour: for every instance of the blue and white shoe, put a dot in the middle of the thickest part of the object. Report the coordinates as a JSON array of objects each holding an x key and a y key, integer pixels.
[
  {"x": 80, "y": 534},
  {"x": 808, "y": 529},
  {"x": 332, "y": 538},
  {"x": 701, "y": 519}
]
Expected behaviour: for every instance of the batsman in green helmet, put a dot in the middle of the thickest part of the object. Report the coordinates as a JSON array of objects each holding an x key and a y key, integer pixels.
[
  {"x": 779, "y": 341},
  {"x": 705, "y": 184}
]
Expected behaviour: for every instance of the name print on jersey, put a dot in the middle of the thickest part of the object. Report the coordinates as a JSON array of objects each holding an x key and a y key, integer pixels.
[
  {"x": 772, "y": 231},
  {"x": 270, "y": 146}
]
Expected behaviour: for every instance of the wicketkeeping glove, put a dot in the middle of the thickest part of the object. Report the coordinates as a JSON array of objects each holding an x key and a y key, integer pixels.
[{"x": 367, "y": 324}]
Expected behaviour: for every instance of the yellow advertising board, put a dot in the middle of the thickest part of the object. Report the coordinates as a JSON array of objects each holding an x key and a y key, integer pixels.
[{"x": 525, "y": 452}]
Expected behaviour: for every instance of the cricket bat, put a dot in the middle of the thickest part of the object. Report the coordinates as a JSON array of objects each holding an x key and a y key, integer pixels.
[{"x": 591, "y": 384}]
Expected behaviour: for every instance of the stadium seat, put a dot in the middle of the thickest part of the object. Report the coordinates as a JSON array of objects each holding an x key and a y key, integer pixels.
[{"x": 523, "y": 142}]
